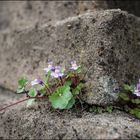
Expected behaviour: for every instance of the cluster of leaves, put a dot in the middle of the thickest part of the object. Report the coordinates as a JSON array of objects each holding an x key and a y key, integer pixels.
[
  {"x": 100, "y": 109},
  {"x": 62, "y": 93},
  {"x": 63, "y": 89},
  {"x": 129, "y": 100},
  {"x": 64, "y": 97}
]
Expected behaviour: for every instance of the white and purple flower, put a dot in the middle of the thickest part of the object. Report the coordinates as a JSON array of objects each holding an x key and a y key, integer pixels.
[
  {"x": 137, "y": 89},
  {"x": 50, "y": 67},
  {"x": 74, "y": 66},
  {"x": 36, "y": 82},
  {"x": 58, "y": 72}
]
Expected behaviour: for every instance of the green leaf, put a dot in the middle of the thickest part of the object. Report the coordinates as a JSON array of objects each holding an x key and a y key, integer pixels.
[
  {"x": 78, "y": 70},
  {"x": 129, "y": 87},
  {"x": 61, "y": 97},
  {"x": 78, "y": 88},
  {"x": 70, "y": 103},
  {"x": 42, "y": 90},
  {"x": 135, "y": 101},
  {"x": 20, "y": 90},
  {"x": 30, "y": 102},
  {"x": 100, "y": 109},
  {"x": 93, "y": 109},
  {"x": 21, "y": 85},
  {"x": 136, "y": 112},
  {"x": 109, "y": 109},
  {"x": 124, "y": 96},
  {"x": 67, "y": 83},
  {"x": 75, "y": 92},
  {"x": 22, "y": 82},
  {"x": 32, "y": 92}
]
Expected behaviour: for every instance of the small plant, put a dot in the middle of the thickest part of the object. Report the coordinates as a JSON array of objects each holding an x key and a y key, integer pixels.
[
  {"x": 101, "y": 109},
  {"x": 130, "y": 99},
  {"x": 62, "y": 91}
]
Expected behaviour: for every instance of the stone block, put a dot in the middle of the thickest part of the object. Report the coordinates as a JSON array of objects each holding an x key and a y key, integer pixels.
[
  {"x": 106, "y": 43},
  {"x": 41, "y": 122}
]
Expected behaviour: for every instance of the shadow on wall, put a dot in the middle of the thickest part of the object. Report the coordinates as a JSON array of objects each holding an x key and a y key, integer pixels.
[{"x": 132, "y": 6}]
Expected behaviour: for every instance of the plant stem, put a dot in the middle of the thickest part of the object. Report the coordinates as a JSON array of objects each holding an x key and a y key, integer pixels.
[
  {"x": 20, "y": 102},
  {"x": 47, "y": 87},
  {"x": 14, "y": 104},
  {"x": 61, "y": 80},
  {"x": 50, "y": 90}
]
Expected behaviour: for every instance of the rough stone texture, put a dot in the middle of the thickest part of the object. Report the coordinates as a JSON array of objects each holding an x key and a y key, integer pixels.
[
  {"x": 5, "y": 95},
  {"x": 18, "y": 15},
  {"x": 106, "y": 41},
  {"x": 8, "y": 97},
  {"x": 39, "y": 122}
]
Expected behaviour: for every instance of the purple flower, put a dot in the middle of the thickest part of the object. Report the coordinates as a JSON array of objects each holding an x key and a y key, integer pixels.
[
  {"x": 50, "y": 67},
  {"x": 36, "y": 82},
  {"x": 136, "y": 92},
  {"x": 74, "y": 65},
  {"x": 137, "y": 89},
  {"x": 138, "y": 85},
  {"x": 58, "y": 72}
]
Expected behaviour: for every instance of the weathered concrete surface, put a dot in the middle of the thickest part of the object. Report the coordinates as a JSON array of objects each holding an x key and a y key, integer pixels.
[
  {"x": 40, "y": 122},
  {"x": 107, "y": 41},
  {"x": 18, "y": 15},
  {"x": 5, "y": 95},
  {"x": 8, "y": 97}
]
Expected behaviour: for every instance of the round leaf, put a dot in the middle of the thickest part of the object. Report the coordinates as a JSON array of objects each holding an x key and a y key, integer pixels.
[
  {"x": 70, "y": 103},
  {"x": 61, "y": 97},
  {"x": 32, "y": 92}
]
